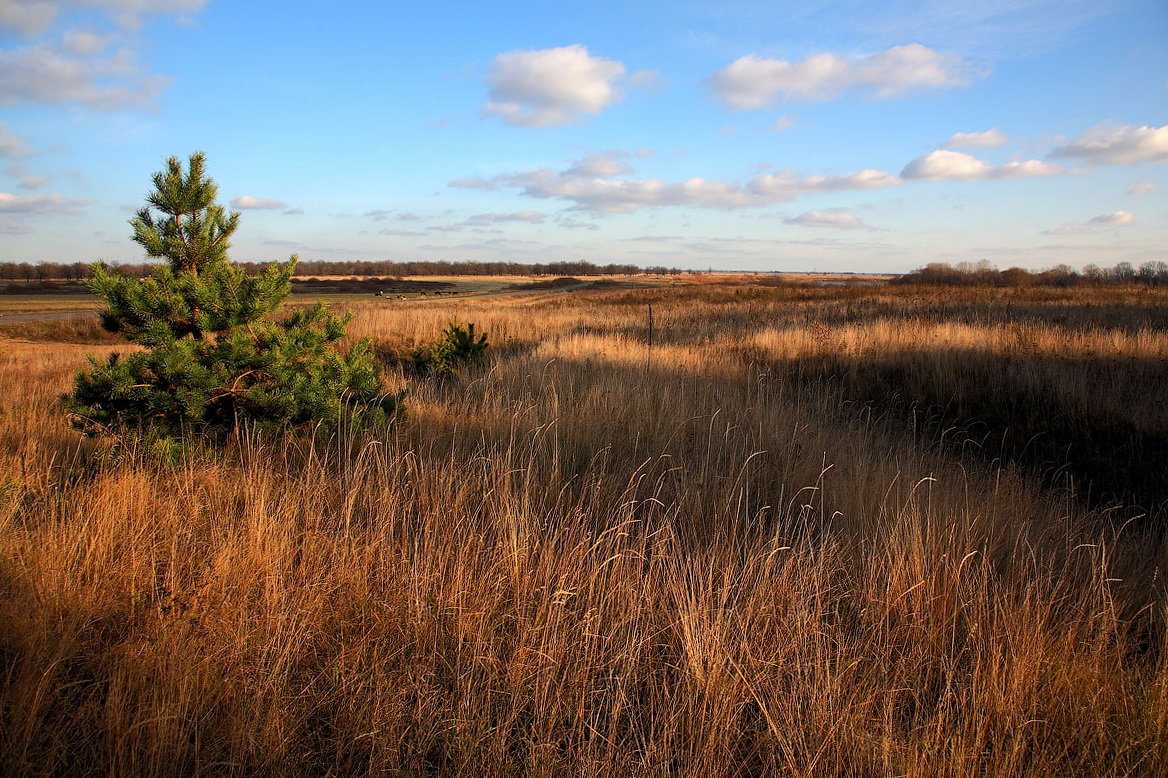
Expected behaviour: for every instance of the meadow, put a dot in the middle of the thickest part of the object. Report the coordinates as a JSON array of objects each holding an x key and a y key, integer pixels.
[{"x": 787, "y": 530}]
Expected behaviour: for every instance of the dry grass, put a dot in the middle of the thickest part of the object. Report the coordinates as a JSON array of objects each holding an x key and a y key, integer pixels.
[
  {"x": 46, "y": 303},
  {"x": 73, "y": 330},
  {"x": 594, "y": 559}
]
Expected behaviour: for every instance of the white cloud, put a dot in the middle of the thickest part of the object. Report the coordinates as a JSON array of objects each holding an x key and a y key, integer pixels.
[
  {"x": 754, "y": 82},
  {"x": 249, "y": 203},
  {"x": 551, "y": 87},
  {"x": 624, "y": 196},
  {"x": 788, "y": 184},
  {"x": 1113, "y": 218},
  {"x": 606, "y": 165},
  {"x": 959, "y": 166},
  {"x": 44, "y": 75},
  {"x": 946, "y": 164},
  {"x": 10, "y": 145},
  {"x": 34, "y": 17},
  {"x": 834, "y": 219},
  {"x": 969, "y": 140},
  {"x": 1026, "y": 168},
  {"x": 1120, "y": 144},
  {"x": 69, "y": 65},
  {"x": 569, "y": 223},
  {"x": 783, "y": 123},
  {"x": 1095, "y": 223},
  {"x": 85, "y": 42},
  {"x": 129, "y": 13},
  {"x": 473, "y": 182},
  {"x": 482, "y": 219},
  {"x": 381, "y": 214},
  {"x": 607, "y": 195},
  {"x": 49, "y": 203},
  {"x": 1141, "y": 187},
  {"x": 27, "y": 18},
  {"x": 33, "y": 182}
]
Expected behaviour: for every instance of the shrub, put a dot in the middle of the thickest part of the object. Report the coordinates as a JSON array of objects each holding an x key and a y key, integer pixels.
[{"x": 455, "y": 351}]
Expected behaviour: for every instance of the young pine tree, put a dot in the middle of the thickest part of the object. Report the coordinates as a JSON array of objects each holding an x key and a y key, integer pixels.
[{"x": 212, "y": 357}]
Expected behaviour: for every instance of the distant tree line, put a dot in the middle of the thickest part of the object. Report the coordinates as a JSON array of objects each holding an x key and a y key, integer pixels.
[
  {"x": 43, "y": 271},
  {"x": 75, "y": 271},
  {"x": 443, "y": 268},
  {"x": 984, "y": 274}
]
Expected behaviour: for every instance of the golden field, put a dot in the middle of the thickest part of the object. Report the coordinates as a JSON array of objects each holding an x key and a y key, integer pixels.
[{"x": 850, "y": 531}]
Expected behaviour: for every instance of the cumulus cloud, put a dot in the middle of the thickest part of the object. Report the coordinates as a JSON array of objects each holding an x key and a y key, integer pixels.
[
  {"x": 788, "y": 184},
  {"x": 41, "y": 74},
  {"x": 1141, "y": 187},
  {"x": 608, "y": 195},
  {"x": 958, "y": 166},
  {"x": 832, "y": 219},
  {"x": 1095, "y": 223},
  {"x": 969, "y": 140},
  {"x": 37, "y": 204},
  {"x": 249, "y": 203},
  {"x": 755, "y": 82},
  {"x": 551, "y": 87},
  {"x": 1119, "y": 144},
  {"x": 606, "y": 165}
]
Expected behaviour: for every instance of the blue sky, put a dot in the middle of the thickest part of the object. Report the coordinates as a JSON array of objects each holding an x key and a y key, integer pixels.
[{"x": 855, "y": 136}]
